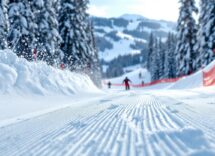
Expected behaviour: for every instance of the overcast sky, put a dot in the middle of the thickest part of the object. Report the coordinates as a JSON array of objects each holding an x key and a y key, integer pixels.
[{"x": 155, "y": 9}]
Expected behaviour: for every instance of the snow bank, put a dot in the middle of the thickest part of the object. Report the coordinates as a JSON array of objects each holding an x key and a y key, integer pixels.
[
  {"x": 17, "y": 75},
  {"x": 192, "y": 81},
  {"x": 209, "y": 67}
]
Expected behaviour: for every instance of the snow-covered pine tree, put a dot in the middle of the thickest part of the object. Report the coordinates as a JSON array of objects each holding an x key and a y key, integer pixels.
[
  {"x": 21, "y": 31},
  {"x": 156, "y": 61},
  {"x": 73, "y": 23},
  {"x": 187, "y": 30},
  {"x": 170, "y": 58},
  {"x": 161, "y": 61},
  {"x": 47, "y": 39},
  {"x": 150, "y": 52},
  {"x": 207, "y": 31},
  {"x": 3, "y": 24},
  {"x": 95, "y": 69}
]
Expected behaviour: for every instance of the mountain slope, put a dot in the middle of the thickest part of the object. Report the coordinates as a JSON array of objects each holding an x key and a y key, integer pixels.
[{"x": 127, "y": 34}]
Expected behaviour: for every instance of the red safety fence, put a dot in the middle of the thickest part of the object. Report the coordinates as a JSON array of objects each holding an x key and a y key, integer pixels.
[
  {"x": 156, "y": 82},
  {"x": 209, "y": 77},
  {"x": 151, "y": 83},
  {"x": 208, "y": 80}
]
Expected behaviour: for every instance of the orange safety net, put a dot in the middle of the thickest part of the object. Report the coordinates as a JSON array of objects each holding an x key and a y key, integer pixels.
[
  {"x": 209, "y": 77},
  {"x": 151, "y": 83}
]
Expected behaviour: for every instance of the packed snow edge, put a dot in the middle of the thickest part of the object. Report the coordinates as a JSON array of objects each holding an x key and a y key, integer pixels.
[{"x": 17, "y": 75}]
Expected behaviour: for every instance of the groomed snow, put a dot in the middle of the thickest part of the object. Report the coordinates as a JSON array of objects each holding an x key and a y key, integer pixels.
[
  {"x": 74, "y": 121},
  {"x": 29, "y": 89}
]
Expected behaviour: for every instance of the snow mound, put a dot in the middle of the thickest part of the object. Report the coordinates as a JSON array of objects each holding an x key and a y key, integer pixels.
[
  {"x": 17, "y": 75},
  {"x": 210, "y": 66},
  {"x": 192, "y": 81},
  {"x": 191, "y": 137}
]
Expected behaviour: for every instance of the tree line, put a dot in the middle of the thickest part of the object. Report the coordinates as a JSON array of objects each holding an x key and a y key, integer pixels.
[
  {"x": 191, "y": 49},
  {"x": 58, "y": 31}
]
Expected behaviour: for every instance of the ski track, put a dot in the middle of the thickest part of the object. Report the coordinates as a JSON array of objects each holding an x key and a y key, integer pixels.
[
  {"x": 201, "y": 120},
  {"x": 133, "y": 125}
]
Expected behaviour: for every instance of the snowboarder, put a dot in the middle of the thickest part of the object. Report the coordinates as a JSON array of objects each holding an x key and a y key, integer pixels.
[
  {"x": 109, "y": 84},
  {"x": 126, "y": 82}
]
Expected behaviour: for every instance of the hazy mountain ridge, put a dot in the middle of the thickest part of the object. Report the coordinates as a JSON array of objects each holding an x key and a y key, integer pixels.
[{"x": 127, "y": 34}]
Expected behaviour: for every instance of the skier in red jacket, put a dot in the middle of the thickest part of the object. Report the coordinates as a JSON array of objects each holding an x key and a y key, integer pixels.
[{"x": 126, "y": 82}]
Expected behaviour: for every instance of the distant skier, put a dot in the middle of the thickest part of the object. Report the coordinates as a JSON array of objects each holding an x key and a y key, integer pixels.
[
  {"x": 142, "y": 83},
  {"x": 140, "y": 75},
  {"x": 109, "y": 84},
  {"x": 126, "y": 82}
]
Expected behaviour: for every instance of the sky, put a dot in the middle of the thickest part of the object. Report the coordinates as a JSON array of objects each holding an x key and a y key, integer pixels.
[{"x": 154, "y": 9}]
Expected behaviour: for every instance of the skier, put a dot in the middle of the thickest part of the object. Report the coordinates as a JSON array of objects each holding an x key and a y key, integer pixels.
[
  {"x": 140, "y": 75},
  {"x": 142, "y": 83},
  {"x": 126, "y": 82},
  {"x": 109, "y": 84}
]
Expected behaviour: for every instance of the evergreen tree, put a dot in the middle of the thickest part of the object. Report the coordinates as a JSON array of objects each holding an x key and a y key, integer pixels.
[
  {"x": 95, "y": 69},
  {"x": 21, "y": 31},
  {"x": 187, "y": 29},
  {"x": 207, "y": 31},
  {"x": 150, "y": 52},
  {"x": 170, "y": 59},
  {"x": 73, "y": 24},
  {"x": 155, "y": 69},
  {"x": 161, "y": 60},
  {"x": 3, "y": 24},
  {"x": 47, "y": 39}
]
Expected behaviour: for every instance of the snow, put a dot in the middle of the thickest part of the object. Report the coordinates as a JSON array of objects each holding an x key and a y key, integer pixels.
[
  {"x": 40, "y": 3},
  {"x": 166, "y": 28},
  {"x": 21, "y": 77},
  {"x": 133, "y": 25},
  {"x": 193, "y": 81},
  {"x": 133, "y": 76},
  {"x": 104, "y": 68},
  {"x": 132, "y": 17},
  {"x": 122, "y": 47},
  {"x": 119, "y": 48},
  {"x": 129, "y": 37},
  {"x": 105, "y": 28},
  {"x": 210, "y": 66},
  {"x": 166, "y": 119},
  {"x": 119, "y": 123}
]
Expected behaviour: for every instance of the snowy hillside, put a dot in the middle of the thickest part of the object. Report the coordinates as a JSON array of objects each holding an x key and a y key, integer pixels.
[
  {"x": 20, "y": 76},
  {"x": 188, "y": 82},
  {"x": 127, "y": 34},
  {"x": 136, "y": 76},
  {"x": 113, "y": 122}
]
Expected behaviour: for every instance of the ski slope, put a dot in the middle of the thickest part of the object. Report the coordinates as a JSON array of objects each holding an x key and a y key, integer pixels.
[
  {"x": 119, "y": 123},
  {"x": 77, "y": 119}
]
